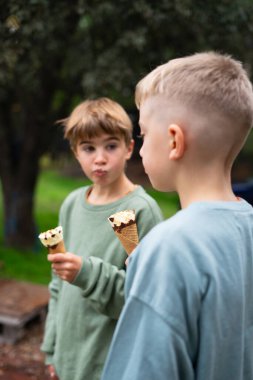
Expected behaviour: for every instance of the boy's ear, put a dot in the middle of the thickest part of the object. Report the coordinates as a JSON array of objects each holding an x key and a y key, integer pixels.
[
  {"x": 177, "y": 141},
  {"x": 130, "y": 149}
]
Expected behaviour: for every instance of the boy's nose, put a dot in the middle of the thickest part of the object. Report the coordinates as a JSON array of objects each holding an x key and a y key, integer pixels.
[{"x": 100, "y": 157}]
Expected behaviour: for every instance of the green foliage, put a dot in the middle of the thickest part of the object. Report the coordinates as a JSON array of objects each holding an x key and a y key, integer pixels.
[
  {"x": 125, "y": 40},
  {"x": 25, "y": 266},
  {"x": 51, "y": 191},
  {"x": 103, "y": 47}
]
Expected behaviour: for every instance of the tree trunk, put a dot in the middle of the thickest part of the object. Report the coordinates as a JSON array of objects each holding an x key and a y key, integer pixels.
[
  {"x": 18, "y": 173},
  {"x": 20, "y": 230}
]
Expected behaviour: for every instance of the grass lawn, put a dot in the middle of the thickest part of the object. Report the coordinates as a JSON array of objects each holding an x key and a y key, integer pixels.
[{"x": 51, "y": 190}]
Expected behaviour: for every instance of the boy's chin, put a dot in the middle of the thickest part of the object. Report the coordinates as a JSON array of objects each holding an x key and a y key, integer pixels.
[{"x": 166, "y": 188}]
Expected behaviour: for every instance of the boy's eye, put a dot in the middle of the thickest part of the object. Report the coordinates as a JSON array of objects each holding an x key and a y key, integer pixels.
[
  {"x": 141, "y": 136},
  {"x": 88, "y": 148},
  {"x": 111, "y": 146}
]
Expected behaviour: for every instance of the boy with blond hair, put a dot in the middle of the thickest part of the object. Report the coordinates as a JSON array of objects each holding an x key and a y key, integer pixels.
[
  {"x": 87, "y": 287},
  {"x": 189, "y": 301}
]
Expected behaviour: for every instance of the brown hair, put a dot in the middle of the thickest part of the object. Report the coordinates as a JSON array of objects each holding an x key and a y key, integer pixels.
[
  {"x": 91, "y": 118},
  {"x": 207, "y": 82}
]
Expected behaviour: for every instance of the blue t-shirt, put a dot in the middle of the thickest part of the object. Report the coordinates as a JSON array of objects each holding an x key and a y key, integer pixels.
[{"x": 189, "y": 299}]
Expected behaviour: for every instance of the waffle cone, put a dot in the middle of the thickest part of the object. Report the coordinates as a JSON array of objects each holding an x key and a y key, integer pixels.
[
  {"x": 58, "y": 248},
  {"x": 128, "y": 237}
]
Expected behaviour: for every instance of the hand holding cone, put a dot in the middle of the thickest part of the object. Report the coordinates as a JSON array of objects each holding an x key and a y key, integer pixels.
[
  {"x": 125, "y": 228},
  {"x": 53, "y": 240}
]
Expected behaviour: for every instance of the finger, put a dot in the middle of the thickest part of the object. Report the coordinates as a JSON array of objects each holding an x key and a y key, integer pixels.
[
  {"x": 56, "y": 257},
  {"x": 63, "y": 266},
  {"x": 65, "y": 274},
  {"x": 63, "y": 271},
  {"x": 57, "y": 266}
]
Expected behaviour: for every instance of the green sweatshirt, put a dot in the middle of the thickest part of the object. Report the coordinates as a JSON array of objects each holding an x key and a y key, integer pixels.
[{"x": 82, "y": 316}]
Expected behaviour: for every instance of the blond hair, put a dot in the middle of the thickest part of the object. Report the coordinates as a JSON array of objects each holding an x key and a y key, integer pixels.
[
  {"x": 207, "y": 82},
  {"x": 92, "y": 118}
]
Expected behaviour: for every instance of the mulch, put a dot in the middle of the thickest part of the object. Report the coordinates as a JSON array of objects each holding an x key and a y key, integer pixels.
[{"x": 24, "y": 360}]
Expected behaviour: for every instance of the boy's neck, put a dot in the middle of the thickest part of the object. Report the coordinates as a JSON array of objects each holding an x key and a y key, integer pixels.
[
  {"x": 207, "y": 197},
  {"x": 100, "y": 195},
  {"x": 211, "y": 186}
]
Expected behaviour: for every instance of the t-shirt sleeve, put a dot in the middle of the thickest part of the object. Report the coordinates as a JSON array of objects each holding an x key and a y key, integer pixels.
[{"x": 146, "y": 347}]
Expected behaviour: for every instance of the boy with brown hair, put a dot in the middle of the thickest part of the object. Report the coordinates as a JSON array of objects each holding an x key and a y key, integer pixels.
[
  {"x": 189, "y": 302},
  {"x": 87, "y": 287}
]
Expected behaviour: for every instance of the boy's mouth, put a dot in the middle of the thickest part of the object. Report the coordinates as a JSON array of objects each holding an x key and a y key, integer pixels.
[{"x": 99, "y": 172}]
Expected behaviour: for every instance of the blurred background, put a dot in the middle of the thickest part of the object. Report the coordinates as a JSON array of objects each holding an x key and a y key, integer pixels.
[{"x": 55, "y": 54}]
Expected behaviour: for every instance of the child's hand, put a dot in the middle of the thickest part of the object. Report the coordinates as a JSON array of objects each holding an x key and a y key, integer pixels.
[
  {"x": 51, "y": 372},
  {"x": 65, "y": 265}
]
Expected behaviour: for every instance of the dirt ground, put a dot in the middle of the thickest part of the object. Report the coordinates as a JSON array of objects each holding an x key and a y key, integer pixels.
[{"x": 23, "y": 360}]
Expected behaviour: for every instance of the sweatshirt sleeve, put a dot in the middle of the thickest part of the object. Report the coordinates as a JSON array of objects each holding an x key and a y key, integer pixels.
[
  {"x": 148, "y": 217},
  {"x": 103, "y": 283},
  {"x": 158, "y": 331},
  {"x": 50, "y": 326},
  {"x": 146, "y": 347}
]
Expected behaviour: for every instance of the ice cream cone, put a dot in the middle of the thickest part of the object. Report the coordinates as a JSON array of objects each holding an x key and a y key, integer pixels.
[
  {"x": 57, "y": 248},
  {"x": 125, "y": 228},
  {"x": 53, "y": 240}
]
